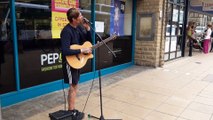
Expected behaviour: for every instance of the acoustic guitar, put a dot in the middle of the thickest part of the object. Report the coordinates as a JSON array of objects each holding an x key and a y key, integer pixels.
[{"x": 79, "y": 61}]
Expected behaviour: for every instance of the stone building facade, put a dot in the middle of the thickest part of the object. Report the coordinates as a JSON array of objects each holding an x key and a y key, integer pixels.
[{"x": 151, "y": 52}]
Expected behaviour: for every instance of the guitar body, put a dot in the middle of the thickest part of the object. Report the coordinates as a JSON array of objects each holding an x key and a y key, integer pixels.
[{"x": 78, "y": 61}]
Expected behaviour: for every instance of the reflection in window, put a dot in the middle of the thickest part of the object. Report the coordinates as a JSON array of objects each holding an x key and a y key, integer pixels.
[
  {"x": 39, "y": 54},
  {"x": 7, "y": 80}
]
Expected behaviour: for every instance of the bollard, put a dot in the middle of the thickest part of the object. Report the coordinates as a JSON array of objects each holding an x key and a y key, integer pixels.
[{"x": 88, "y": 116}]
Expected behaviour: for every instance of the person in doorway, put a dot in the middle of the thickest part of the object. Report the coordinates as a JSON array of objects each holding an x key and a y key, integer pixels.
[
  {"x": 207, "y": 38},
  {"x": 77, "y": 31},
  {"x": 190, "y": 37}
]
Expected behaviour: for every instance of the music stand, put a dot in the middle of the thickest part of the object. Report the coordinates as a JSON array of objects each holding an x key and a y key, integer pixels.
[{"x": 99, "y": 77}]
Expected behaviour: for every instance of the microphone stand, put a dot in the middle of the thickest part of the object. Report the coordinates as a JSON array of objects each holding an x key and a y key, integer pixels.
[
  {"x": 99, "y": 76},
  {"x": 89, "y": 23}
]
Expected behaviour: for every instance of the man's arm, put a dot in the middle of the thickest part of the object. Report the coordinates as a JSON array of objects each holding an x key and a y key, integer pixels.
[{"x": 65, "y": 44}]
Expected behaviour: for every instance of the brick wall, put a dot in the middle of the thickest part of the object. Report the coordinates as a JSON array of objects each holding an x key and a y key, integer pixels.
[{"x": 151, "y": 52}]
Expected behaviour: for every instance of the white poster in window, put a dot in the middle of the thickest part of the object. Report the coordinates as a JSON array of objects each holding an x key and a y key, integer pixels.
[
  {"x": 167, "y": 45},
  {"x": 175, "y": 15},
  {"x": 173, "y": 44},
  {"x": 173, "y": 29},
  {"x": 207, "y": 5},
  {"x": 168, "y": 30},
  {"x": 181, "y": 17},
  {"x": 196, "y": 2},
  {"x": 99, "y": 26}
]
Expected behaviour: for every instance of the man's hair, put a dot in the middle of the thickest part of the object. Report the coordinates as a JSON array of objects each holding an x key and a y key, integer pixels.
[{"x": 72, "y": 13}]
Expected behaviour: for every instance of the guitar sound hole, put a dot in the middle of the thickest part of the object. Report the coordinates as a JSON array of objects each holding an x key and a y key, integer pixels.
[{"x": 77, "y": 57}]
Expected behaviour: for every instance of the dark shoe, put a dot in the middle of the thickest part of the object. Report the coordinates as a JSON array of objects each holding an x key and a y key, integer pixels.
[{"x": 76, "y": 115}]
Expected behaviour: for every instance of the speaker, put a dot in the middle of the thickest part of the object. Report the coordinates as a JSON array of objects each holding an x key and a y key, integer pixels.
[{"x": 61, "y": 115}]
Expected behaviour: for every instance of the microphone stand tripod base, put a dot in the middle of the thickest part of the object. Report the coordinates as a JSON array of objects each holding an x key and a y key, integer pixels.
[
  {"x": 91, "y": 116},
  {"x": 99, "y": 76},
  {"x": 101, "y": 117}
]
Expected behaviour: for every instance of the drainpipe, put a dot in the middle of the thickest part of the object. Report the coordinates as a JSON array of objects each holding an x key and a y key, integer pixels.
[
  {"x": 93, "y": 16},
  {"x": 184, "y": 28},
  {"x": 134, "y": 13},
  {"x": 162, "y": 35},
  {"x": 15, "y": 43}
]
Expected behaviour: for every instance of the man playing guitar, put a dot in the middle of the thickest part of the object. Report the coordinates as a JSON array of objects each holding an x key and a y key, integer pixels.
[{"x": 75, "y": 32}]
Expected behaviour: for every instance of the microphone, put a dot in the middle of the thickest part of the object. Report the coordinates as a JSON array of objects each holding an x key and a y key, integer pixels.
[{"x": 86, "y": 21}]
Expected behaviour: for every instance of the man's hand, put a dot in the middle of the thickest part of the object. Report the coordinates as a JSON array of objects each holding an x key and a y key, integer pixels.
[
  {"x": 86, "y": 25},
  {"x": 86, "y": 50}
]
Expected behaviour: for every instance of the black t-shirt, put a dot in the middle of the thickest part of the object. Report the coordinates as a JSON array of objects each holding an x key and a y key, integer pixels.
[{"x": 70, "y": 36}]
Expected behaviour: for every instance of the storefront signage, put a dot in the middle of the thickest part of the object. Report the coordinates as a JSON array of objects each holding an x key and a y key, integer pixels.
[
  {"x": 207, "y": 5},
  {"x": 51, "y": 61},
  {"x": 196, "y": 2},
  {"x": 59, "y": 18}
]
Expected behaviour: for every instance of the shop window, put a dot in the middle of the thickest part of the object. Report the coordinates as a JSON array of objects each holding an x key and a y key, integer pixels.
[
  {"x": 38, "y": 30},
  {"x": 114, "y": 17},
  {"x": 38, "y": 33},
  {"x": 7, "y": 73},
  {"x": 39, "y": 54}
]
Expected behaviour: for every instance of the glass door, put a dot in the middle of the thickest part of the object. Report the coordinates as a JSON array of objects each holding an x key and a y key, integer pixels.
[{"x": 174, "y": 29}]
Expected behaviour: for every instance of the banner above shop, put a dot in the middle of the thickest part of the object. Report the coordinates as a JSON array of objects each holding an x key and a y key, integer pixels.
[
  {"x": 196, "y": 2},
  {"x": 208, "y": 5},
  {"x": 205, "y": 6}
]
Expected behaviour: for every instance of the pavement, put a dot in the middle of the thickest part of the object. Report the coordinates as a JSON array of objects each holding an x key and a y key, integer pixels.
[{"x": 180, "y": 90}]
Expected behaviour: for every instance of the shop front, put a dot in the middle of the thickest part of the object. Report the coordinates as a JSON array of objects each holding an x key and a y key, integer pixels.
[
  {"x": 201, "y": 14},
  {"x": 30, "y": 43},
  {"x": 160, "y": 31}
]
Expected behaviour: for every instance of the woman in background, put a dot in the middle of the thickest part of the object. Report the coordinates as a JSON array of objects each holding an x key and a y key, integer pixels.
[{"x": 207, "y": 38}]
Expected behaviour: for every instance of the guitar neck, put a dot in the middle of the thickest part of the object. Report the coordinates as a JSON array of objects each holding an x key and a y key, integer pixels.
[{"x": 102, "y": 42}]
